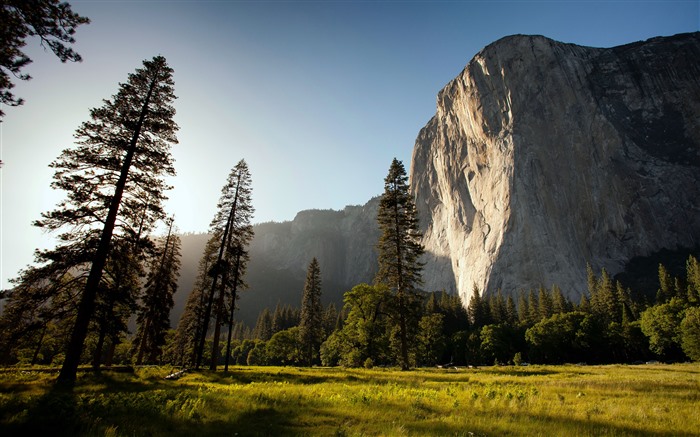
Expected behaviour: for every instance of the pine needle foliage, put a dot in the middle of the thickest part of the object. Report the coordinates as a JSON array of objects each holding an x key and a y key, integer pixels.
[
  {"x": 400, "y": 250},
  {"x": 113, "y": 181},
  {"x": 232, "y": 223},
  {"x": 311, "y": 325},
  {"x": 53, "y": 22},
  {"x": 157, "y": 300}
]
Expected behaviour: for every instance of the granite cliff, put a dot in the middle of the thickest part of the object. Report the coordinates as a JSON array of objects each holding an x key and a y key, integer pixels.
[{"x": 543, "y": 156}]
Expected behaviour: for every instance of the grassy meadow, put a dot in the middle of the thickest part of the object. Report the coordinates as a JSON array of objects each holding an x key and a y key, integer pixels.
[{"x": 656, "y": 400}]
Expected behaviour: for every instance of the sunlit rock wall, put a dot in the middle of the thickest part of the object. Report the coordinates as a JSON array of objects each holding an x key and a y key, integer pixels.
[{"x": 544, "y": 156}]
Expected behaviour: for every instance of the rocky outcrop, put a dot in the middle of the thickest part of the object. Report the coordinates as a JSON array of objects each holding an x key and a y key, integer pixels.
[{"x": 544, "y": 156}]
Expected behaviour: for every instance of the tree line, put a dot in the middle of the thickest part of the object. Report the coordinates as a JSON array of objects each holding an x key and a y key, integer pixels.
[{"x": 608, "y": 325}]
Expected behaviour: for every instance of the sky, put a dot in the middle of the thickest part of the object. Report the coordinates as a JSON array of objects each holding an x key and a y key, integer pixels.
[{"x": 317, "y": 96}]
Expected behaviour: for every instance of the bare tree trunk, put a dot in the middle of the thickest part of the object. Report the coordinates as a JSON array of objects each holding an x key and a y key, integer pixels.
[
  {"x": 217, "y": 325},
  {"x": 207, "y": 313}
]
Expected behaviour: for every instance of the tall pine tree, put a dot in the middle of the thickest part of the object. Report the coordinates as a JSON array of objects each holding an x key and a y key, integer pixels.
[
  {"x": 232, "y": 223},
  {"x": 399, "y": 252},
  {"x": 311, "y": 324},
  {"x": 114, "y": 182}
]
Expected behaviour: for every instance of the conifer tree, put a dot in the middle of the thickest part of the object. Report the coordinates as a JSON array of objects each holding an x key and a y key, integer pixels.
[
  {"x": 239, "y": 258},
  {"x": 665, "y": 291},
  {"x": 330, "y": 318},
  {"x": 113, "y": 181},
  {"x": 232, "y": 224},
  {"x": 157, "y": 300},
  {"x": 400, "y": 251},
  {"x": 546, "y": 305},
  {"x": 592, "y": 280},
  {"x": 116, "y": 300},
  {"x": 263, "y": 326},
  {"x": 277, "y": 319},
  {"x": 311, "y": 323},
  {"x": 476, "y": 309},
  {"x": 523, "y": 313},
  {"x": 559, "y": 303},
  {"x": 511, "y": 311},
  {"x": 604, "y": 301},
  {"x": 191, "y": 322},
  {"x": 497, "y": 306},
  {"x": 693, "y": 280},
  {"x": 533, "y": 307}
]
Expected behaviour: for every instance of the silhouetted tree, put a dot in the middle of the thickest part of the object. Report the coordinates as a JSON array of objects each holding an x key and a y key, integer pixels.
[
  {"x": 113, "y": 174},
  {"x": 399, "y": 251},
  {"x": 53, "y": 22},
  {"x": 157, "y": 300},
  {"x": 311, "y": 323},
  {"x": 192, "y": 322},
  {"x": 232, "y": 223},
  {"x": 116, "y": 300}
]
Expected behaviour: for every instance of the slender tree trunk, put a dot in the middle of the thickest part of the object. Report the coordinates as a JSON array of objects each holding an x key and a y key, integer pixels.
[
  {"x": 224, "y": 239},
  {"x": 233, "y": 308},
  {"x": 87, "y": 302},
  {"x": 400, "y": 290},
  {"x": 146, "y": 331},
  {"x": 217, "y": 325},
  {"x": 142, "y": 344},
  {"x": 210, "y": 299}
]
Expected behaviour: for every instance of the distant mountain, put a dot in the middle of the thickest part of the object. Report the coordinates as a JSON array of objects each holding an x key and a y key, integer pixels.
[
  {"x": 342, "y": 241},
  {"x": 543, "y": 156}
]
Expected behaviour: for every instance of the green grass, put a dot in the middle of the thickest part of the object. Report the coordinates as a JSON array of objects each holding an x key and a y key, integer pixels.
[{"x": 656, "y": 400}]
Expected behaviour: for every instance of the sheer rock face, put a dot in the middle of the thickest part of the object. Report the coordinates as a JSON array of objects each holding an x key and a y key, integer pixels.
[{"x": 544, "y": 156}]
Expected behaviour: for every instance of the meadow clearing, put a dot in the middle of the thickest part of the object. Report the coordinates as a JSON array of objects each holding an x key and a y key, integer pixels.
[{"x": 656, "y": 400}]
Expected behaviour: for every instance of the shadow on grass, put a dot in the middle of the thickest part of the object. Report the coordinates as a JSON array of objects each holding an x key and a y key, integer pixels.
[
  {"x": 131, "y": 409},
  {"x": 291, "y": 375}
]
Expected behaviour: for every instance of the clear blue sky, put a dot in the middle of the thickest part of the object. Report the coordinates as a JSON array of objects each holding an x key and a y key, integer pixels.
[{"x": 317, "y": 96}]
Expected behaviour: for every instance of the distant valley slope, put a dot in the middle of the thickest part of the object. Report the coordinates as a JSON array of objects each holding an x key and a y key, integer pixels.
[{"x": 342, "y": 241}]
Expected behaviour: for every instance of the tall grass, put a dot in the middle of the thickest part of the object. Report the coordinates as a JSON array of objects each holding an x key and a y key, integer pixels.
[{"x": 536, "y": 400}]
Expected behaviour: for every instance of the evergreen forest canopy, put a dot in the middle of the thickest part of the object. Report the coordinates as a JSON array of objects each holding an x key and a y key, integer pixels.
[{"x": 73, "y": 306}]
